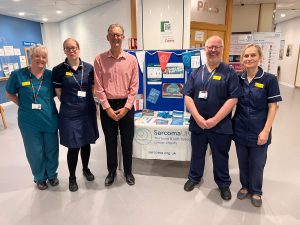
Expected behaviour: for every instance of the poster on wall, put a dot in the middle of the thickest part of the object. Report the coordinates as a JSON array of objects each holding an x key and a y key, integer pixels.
[
  {"x": 281, "y": 50},
  {"x": 154, "y": 74},
  {"x": 289, "y": 50},
  {"x": 8, "y": 50},
  {"x": 1, "y": 52},
  {"x": 166, "y": 34},
  {"x": 269, "y": 43},
  {"x": 174, "y": 70},
  {"x": 172, "y": 90}
]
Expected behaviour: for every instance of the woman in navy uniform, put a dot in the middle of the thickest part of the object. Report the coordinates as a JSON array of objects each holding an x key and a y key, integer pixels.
[
  {"x": 252, "y": 122},
  {"x": 73, "y": 81},
  {"x": 31, "y": 89}
]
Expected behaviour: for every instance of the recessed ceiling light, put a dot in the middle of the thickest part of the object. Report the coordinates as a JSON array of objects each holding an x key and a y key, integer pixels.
[
  {"x": 282, "y": 15},
  {"x": 58, "y": 11},
  {"x": 45, "y": 19},
  {"x": 21, "y": 13}
]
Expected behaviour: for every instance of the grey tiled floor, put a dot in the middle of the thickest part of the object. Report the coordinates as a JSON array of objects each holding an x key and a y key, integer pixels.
[{"x": 158, "y": 196}]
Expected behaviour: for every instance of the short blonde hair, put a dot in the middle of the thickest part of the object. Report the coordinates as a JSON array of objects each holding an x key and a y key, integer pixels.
[
  {"x": 38, "y": 48},
  {"x": 258, "y": 48}
]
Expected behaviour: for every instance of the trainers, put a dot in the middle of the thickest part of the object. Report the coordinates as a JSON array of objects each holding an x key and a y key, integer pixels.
[
  {"x": 73, "y": 184},
  {"x": 189, "y": 185},
  {"x": 54, "y": 182},
  {"x": 257, "y": 202},
  {"x": 242, "y": 194},
  {"x": 88, "y": 175},
  {"x": 42, "y": 185}
]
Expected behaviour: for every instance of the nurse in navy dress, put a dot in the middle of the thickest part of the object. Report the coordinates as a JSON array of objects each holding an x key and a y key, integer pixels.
[
  {"x": 73, "y": 81},
  {"x": 253, "y": 121}
]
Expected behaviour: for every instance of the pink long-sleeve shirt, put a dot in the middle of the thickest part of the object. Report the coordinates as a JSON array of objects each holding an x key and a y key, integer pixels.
[{"x": 116, "y": 78}]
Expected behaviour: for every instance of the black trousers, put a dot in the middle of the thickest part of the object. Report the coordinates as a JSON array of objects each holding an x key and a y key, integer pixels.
[{"x": 111, "y": 129}]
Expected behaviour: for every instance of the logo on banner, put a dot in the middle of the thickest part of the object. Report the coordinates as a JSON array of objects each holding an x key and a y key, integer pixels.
[
  {"x": 186, "y": 59},
  {"x": 164, "y": 58},
  {"x": 143, "y": 136}
]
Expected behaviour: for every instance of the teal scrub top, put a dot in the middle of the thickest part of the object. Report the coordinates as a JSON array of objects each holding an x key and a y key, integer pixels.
[{"x": 20, "y": 82}]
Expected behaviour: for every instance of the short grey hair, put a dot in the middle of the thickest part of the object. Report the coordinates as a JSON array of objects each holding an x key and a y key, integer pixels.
[
  {"x": 214, "y": 37},
  {"x": 113, "y": 26}
]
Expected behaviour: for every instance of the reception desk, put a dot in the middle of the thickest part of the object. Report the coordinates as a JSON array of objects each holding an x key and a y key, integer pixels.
[{"x": 166, "y": 142}]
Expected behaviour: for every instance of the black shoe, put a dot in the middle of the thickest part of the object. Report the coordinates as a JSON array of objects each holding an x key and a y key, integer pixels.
[
  {"x": 225, "y": 193},
  {"x": 73, "y": 184},
  {"x": 257, "y": 202},
  {"x": 54, "y": 182},
  {"x": 88, "y": 175},
  {"x": 130, "y": 180},
  {"x": 42, "y": 185},
  {"x": 189, "y": 185},
  {"x": 109, "y": 180}
]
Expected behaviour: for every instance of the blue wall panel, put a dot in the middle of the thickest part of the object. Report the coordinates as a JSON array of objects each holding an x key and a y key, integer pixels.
[{"x": 13, "y": 32}]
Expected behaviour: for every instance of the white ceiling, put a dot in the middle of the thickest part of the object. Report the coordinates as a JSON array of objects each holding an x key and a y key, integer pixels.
[
  {"x": 36, "y": 10},
  {"x": 291, "y": 8}
]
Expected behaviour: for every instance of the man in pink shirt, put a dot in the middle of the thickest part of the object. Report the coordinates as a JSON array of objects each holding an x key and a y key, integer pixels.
[{"x": 116, "y": 86}]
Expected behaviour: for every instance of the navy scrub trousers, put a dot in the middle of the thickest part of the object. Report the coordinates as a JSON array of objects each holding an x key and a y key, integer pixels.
[{"x": 220, "y": 145}]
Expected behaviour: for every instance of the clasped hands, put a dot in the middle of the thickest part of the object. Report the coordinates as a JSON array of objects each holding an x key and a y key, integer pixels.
[
  {"x": 206, "y": 124},
  {"x": 118, "y": 114}
]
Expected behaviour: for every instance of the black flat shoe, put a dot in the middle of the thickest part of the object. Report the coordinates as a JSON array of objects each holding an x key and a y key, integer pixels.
[
  {"x": 257, "y": 202},
  {"x": 88, "y": 175},
  {"x": 242, "y": 194},
  {"x": 54, "y": 182},
  {"x": 130, "y": 180},
  {"x": 109, "y": 180},
  {"x": 225, "y": 193},
  {"x": 73, "y": 184},
  {"x": 42, "y": 185},
  {"x": 189, "y": 185}
]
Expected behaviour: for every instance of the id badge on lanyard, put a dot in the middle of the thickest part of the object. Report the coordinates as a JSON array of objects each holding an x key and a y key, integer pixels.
[
  {"x": 81, "y": 94},
  {"x": 203, "y": 94},
  {"x": 36, "y": 106}
]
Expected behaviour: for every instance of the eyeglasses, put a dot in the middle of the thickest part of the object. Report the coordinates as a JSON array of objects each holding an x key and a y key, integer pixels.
[
  {"x": 115, "y": 35},
  {"x": 71, "y": 49},
  {"x": 214, "y": 47}
]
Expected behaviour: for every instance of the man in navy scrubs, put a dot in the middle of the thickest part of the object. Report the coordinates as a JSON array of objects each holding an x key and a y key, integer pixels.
[{"x": 211, "y": 92}]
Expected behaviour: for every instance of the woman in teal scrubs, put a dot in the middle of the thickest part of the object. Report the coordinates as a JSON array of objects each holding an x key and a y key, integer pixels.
[{"x": 31, "y": 89}]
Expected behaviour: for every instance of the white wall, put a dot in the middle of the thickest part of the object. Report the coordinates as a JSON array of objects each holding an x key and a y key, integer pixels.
[
  {"x": 52, "y": 40},
  {"x": 266, "y": 18},
  {"x": 89, "y": 29},
  {"x": 245, "y": 18},
  {"x": 288, "y": 65},
  {"x": 156, "y": 11}
]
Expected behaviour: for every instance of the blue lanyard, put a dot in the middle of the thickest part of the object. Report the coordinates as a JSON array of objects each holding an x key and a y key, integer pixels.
[
  {"x": 81, "y": 80},
  {"x": 35, "y": 95},
  {"x": 205, "y": 84}
]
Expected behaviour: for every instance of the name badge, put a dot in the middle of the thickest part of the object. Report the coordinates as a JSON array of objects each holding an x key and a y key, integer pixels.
[
  {"x": 216, "y": 77},
  {"x": 81, "y": 93},
  {"x": 203, "y": 94},
  {"x": 259, "y": 85},
  {"x": 26, "y": 83},
  {"x": 68, "y": 73},
  {"x": 36, "y": 106}
]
